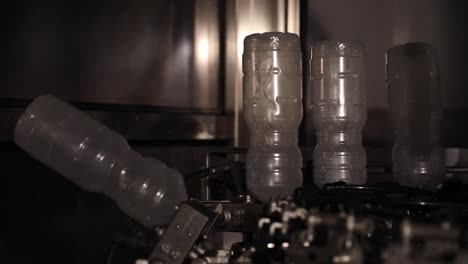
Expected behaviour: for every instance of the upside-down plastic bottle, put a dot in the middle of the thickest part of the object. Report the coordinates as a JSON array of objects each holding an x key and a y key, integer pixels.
[
  {"x": 416, "y": 111},
  {"x": 273, "y": 111},
  {"x": 99, "y": 159},
  {"x": 339, "y": 112}
]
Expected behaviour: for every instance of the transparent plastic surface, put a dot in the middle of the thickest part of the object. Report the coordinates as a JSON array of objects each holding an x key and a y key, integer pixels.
[
  {"x": 273, "y": 111},
  {"x": 339, "y": 112},
  {"x": 98, "y": 159},
  {"x": 416, "y": 112}
]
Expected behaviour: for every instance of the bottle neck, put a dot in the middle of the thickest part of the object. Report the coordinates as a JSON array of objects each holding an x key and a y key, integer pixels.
[
  {"x": 273, "y": 138},
  {"x": 417, "y": 134},
  {"x": 339, "y": 137}
]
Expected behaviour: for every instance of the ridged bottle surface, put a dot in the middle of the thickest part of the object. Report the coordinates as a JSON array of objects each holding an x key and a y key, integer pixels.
[
  {"x": 339, "y": 112},
  {"x": 99, "y": 159},
  {"x": 416, "y": 110},
  {"x": 273, "y": 111}
]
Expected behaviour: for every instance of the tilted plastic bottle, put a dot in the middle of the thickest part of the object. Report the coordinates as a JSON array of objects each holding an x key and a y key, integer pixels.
[
  {"x": 339, "y": 112},
  {"x": 98, "y": 159},
  {"x": 273, "y": 111},
  {"x": 416, "y": 111}
]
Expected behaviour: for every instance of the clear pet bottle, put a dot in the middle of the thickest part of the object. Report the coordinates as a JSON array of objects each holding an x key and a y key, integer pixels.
[
  {"x": 273, "y": 112},
  {"x": 339, "y": 112},
  {"x": 98, "y": 159},
  {"x": 415, "y": 108}
]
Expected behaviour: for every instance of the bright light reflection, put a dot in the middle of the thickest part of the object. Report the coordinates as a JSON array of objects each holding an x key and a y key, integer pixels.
[{"x": 202, "y": 49}]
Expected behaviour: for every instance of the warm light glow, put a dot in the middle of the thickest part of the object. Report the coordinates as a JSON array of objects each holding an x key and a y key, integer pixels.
[{"x": 202, "y": 49}]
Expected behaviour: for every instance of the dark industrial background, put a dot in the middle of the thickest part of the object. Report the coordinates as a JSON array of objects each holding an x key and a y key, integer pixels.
[{"x": 166, "y": 74}]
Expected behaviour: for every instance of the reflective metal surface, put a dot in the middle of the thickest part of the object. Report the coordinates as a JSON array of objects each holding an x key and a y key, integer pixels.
[
  {"x": 138, "y": 126},
  {"x": 159, "y": 53},
  {"x": 187, "y": 54}
]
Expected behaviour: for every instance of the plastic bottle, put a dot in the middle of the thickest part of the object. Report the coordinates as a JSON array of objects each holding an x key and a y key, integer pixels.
[
  {"x": 273, "y": 111},
  {"x": 339, "y": 112},
  {"x": 416, "y": 112},
  {"x": 98, "y": 159}
]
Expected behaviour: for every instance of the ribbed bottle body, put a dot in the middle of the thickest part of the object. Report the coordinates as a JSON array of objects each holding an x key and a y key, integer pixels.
[
  {"x": 416, "y": 111},
  {"x": 273, "y": 112},
  {"x": 339, "y": 111},
  {"x": 98, "y": 159}
]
